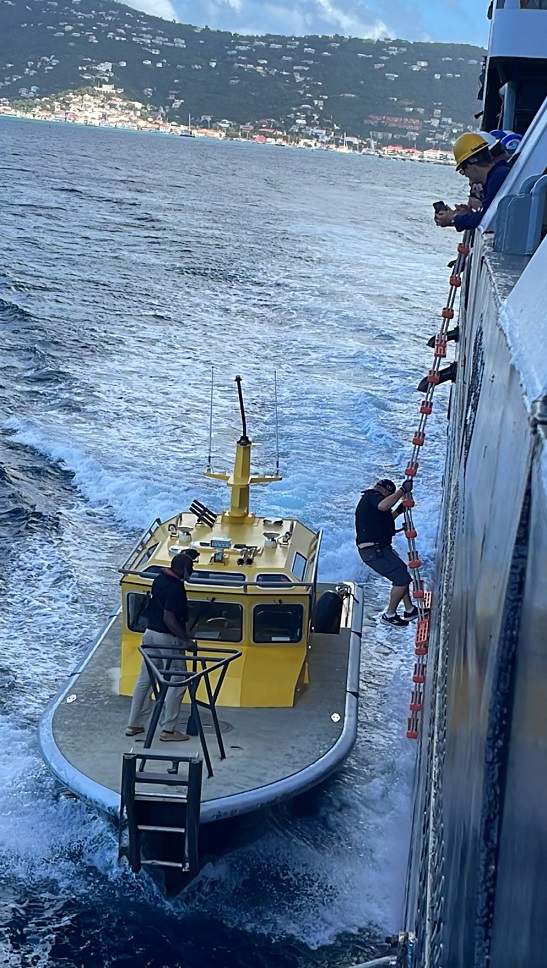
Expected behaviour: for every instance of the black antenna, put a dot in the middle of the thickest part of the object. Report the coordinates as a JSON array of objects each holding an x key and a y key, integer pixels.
[
  {"x": 276, "y": 426},
  {"x": 210, "y": 458},
  {"x": 243, "y": 439}
]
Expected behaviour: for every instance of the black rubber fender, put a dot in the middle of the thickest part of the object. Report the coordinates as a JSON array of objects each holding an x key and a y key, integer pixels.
[{"x": 327, "y": 613}]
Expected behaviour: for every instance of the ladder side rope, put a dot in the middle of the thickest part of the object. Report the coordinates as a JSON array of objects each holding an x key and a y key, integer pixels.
[{"x": 423, "y": 597}]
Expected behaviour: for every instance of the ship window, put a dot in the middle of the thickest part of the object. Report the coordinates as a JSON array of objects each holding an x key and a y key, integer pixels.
[
  {"x": 278, "y": 623},
  {"x": 151, "y": 572},
  {"x": 270, "y": 578},
  {"x": 146, "y": 556},
  {"x": 201, "y": 576},
  {"x": 220, "y": 621},
  {"x": 137, "y": 611},
  {"x": 299, "y": 566}
]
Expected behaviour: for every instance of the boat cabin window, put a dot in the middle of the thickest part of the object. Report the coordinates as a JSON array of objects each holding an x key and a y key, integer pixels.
[
  {"x": 151, "y": 572},
  {"x": 299, "y": 566},
  {"x": 278, "y": 623},
  {"x": 271, "y": 578},
  {"x": 201, "y": 576},
  {"x": 137, "y": 611},
  {"x": 146, "y": 556},
  {"x": 221, "y": 621}
]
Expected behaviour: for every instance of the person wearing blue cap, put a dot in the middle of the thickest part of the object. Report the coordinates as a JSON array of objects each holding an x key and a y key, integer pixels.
[{"x": 375, "y": 526}]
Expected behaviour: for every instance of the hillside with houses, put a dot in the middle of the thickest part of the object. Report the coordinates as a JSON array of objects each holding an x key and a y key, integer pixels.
[{"x": 411, "y": 94}]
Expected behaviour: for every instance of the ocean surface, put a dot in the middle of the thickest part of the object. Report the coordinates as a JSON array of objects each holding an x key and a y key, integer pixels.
[{"x": 130, "y": 265}]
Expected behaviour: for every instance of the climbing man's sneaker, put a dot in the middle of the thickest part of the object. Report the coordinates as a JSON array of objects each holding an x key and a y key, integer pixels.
[
  {"x": 414, "y": 613},
  {"x": 394, "y": 620}
]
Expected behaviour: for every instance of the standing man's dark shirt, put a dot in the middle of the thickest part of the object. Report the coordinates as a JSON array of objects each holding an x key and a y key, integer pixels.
[
  {"x": 372, "y": 525},
  {"x": 168, "y": 594}
]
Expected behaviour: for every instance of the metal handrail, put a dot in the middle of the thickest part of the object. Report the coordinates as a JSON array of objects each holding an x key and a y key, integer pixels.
[
  {"x": 232, "y": 588},
  {"x": 167, "y": 678},
  {"x": 156, "y": 523},
  {"x": 314, "y": 554}
]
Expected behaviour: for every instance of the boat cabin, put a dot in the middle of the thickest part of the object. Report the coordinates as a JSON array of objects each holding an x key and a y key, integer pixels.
[{"x": 253, "y": 586}]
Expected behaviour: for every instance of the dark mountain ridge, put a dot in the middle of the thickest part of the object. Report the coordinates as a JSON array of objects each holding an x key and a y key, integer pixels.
[{"x": 424, "y": 93}]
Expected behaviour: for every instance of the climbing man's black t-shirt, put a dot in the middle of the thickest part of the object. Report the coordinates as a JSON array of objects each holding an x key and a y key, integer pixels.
[
  {"x": 168, "y": 593},
  {"x": 370, "y": 523}
]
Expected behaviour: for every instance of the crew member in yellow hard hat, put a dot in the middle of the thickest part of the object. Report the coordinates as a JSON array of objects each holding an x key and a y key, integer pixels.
[{"x": 475, "y": 160}]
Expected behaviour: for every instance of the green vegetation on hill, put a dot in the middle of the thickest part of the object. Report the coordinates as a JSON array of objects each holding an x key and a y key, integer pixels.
[{"x": 425, "y": 91}]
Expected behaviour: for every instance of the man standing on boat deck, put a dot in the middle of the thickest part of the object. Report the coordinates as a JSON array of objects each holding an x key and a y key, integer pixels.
[
  {"x": 167, "y": 626},
  {"x": 375, "y": 526}
]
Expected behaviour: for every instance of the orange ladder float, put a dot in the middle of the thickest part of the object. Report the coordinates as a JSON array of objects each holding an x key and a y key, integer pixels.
[{"x": 423, "y": 597}]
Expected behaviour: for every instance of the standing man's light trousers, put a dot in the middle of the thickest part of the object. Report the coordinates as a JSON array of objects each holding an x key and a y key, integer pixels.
[{"x": 173, "y": 715}]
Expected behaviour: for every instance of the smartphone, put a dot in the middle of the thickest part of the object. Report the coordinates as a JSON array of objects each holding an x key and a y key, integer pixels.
[{"x": 440, "y": 206}]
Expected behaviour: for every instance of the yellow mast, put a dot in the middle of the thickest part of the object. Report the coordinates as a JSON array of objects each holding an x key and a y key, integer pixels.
[{"x": 241, "y": 478}]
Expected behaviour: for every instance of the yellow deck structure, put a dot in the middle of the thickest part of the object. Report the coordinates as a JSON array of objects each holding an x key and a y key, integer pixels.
[{"x": 253, "y": 586}]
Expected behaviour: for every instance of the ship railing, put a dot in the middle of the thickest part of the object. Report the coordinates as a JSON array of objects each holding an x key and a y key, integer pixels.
[
  {"x": 519, "y": 223},
  {"x": 168, "y": 668},
  {"x": 139, "y": 547},
  {"x": 236, "y": 587}
]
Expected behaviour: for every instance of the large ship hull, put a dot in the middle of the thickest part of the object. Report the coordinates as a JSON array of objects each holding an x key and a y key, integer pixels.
[{"x": 477, "y": 884}]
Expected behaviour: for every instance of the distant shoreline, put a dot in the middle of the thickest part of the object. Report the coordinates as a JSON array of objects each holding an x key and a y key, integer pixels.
[{"x": 397, "y": 152}]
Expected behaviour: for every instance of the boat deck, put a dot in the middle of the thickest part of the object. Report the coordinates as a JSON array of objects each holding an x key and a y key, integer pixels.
[{"x": 263, "y": 747}]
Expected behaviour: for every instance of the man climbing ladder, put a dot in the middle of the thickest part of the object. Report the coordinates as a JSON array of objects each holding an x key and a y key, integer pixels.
[{"x": 375, "y": 526}]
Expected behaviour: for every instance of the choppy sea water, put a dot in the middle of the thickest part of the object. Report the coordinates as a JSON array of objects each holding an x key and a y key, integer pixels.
[{"x": 130, "y": 265}]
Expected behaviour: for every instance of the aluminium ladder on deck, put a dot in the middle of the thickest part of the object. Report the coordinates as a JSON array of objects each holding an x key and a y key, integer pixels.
[{"x": 157, "y": 819}]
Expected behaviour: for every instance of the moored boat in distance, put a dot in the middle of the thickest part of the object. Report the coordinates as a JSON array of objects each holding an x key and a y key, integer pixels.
[
  {"x": 187, "y": 133},
  {"x": 272, "y": 689}
]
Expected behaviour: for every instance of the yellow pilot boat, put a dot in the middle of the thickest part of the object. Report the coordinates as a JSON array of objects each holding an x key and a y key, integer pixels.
[{"x": 272, "y": 690}]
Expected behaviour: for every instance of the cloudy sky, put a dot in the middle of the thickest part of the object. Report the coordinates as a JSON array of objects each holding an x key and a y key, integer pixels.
[{"x": 461, "y": 21}]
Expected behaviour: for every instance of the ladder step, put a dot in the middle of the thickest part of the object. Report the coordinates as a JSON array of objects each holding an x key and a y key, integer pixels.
[
  {"x": 158, "y": 798},
  {"x": 165, "y": 863},
  {"x": 166, "y": 830},
  {"x": 160, "y": 779}
]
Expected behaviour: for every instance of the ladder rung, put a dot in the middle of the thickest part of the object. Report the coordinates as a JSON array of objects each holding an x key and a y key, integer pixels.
[
  {"x": 161, "y": 779},
  {"x": 159, "y": 798},
  {"x": 165, "y": 863},
  {"x": 167, "y": 830}
]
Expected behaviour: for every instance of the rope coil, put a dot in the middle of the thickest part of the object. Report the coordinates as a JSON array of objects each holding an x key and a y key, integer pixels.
[{"x": 421, "y": 596}]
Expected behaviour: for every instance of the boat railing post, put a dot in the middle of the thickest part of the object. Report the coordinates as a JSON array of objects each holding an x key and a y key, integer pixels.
[
  {"x": 160, "y": 692},
  {"x": 193, "y": 802},
  {"x": 129, "y": 774},
  {"x": 212, "y": 707}
]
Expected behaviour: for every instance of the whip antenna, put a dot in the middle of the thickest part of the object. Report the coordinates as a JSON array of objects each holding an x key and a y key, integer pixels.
[
  {"x": 276, "y": 426},
  {"x": 243, "y": 439},
  {"x": 209, "y": 459}
]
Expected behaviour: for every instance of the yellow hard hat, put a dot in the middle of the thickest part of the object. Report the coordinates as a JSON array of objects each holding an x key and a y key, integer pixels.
[{"x": 467, "y": 145}]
